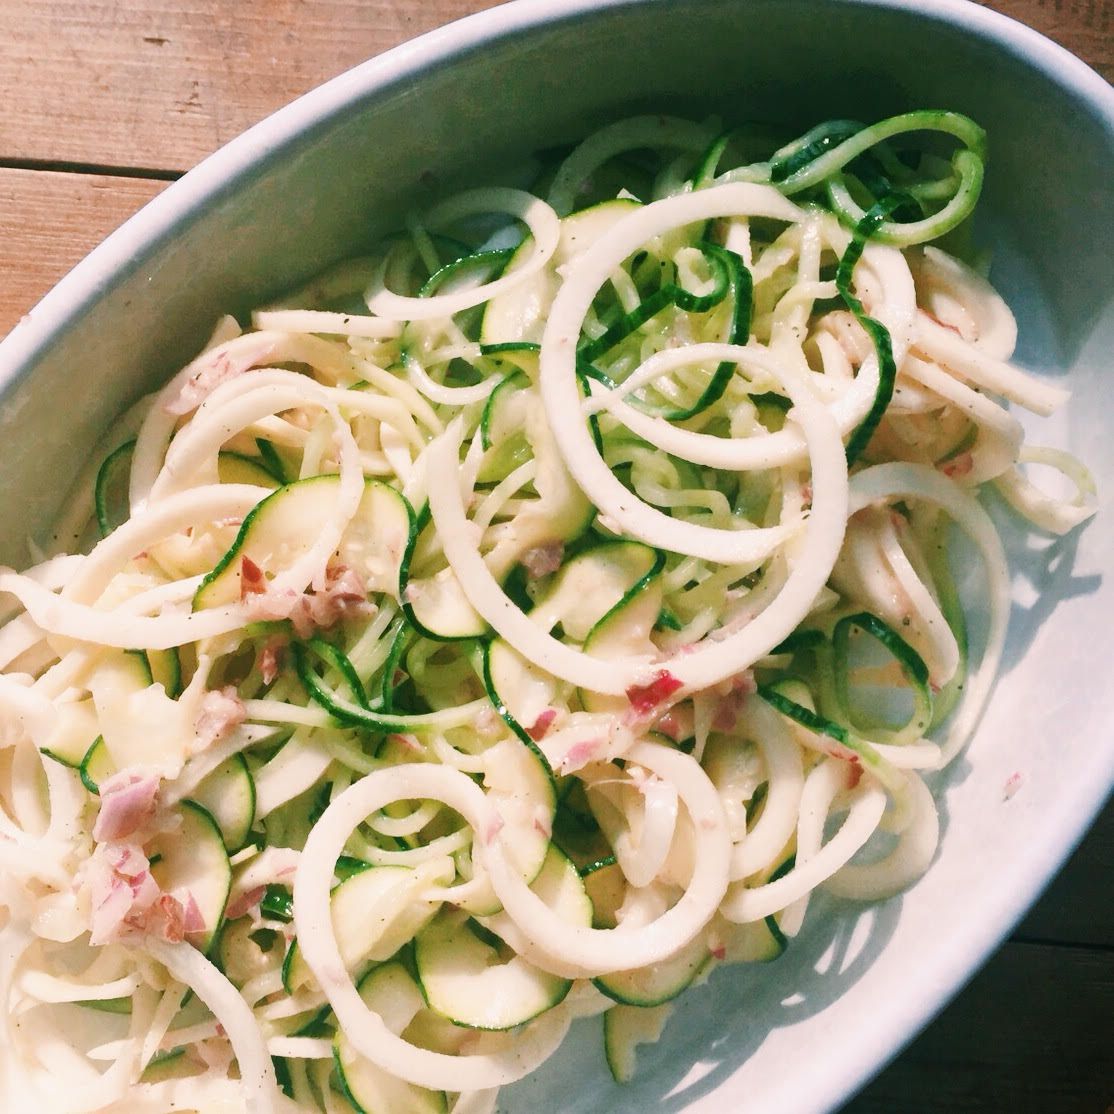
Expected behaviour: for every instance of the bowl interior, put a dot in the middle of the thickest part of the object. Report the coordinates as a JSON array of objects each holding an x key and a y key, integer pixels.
[{"x": 469, "y": 104}]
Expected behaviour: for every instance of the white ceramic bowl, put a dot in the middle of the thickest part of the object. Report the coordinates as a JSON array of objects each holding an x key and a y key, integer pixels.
[{"x": 321, "y": 178}]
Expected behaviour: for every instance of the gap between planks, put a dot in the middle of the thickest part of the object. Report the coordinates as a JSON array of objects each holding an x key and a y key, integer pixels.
[
  {"x": 163, "y": 83},
  {"x": 987, "y": 1054}
]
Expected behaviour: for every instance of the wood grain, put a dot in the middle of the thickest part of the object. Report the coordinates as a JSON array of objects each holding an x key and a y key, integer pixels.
[
  {"x": 50, "y": 221},
  {"x": 158, "y": 84},
  {"x": 1031, "y": 1035},
  {"x": 1077, "y": 907},
  {"x": 1085, "y": 27}
]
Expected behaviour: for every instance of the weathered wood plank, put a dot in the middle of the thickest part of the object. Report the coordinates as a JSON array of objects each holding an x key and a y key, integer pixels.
[
  {"x": 1085, "y": 27},
  {"x": 1077, "y": 907},
  {"x": 1031, "y": 1035},
  {"x": 132, "y": 83},
  {"x": 158, "y": 84},
  {"x": 49, "y": 221}
]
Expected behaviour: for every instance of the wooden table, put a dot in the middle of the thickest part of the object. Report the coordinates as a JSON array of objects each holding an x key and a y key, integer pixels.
[{"x": 105, "y": 101}]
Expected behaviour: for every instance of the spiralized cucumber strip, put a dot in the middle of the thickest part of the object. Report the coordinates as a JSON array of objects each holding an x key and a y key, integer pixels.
[
  {"x": 763, "y": 450},
  {"x": 559, "y": 383},
  {"x": 969, "y": 167},
  {"x": 532, "y": 211},
  {"x": 952, "y": 123},
  {"x": 626, "y": 135}
]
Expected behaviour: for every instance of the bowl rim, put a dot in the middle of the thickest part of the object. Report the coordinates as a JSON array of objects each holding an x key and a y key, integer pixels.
[{"x": 185, "y": 200}]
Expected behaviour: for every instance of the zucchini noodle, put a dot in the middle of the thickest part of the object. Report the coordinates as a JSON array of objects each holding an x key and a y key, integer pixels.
[{"x": 513, "y": 625}]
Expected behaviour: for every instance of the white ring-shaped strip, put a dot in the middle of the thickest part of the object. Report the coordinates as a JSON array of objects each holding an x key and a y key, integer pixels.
[
  {"x": 592, "y": 951},
  {"x": 257, "y": 1073},
  {"x": 994, "y": 322},
  {"x": 913, "y": 855},
  {"x": 785, "y": 777},
  {"x": 945, "y": 655},
  {"x": 999, "y": 432},
  {"x": 193, "y": 507},
  {"x": 58, "y": 615},
  {"x": 947, "y": 348},
  {"x": 885, "y": 482},
  {"x": 641, "y": 858},
  {"x": 317, "y": 940},
  {"x": 539, "y": 217},
  {"x": 422, "y": 381},
  {"x": 237, "y": 356},
  {"x": 598, "y": 951},
  {"x": 322, "y": 321},
  {"x": 558, "y": 378},
  {"x": 233, "y": 407},
  {"x": 1058, "y": 516},
  {"x": 712, "y": 660},
  {"x": 248, "y": 399},
  {"x": 823, "y": 782},
  {"x": 744, "y": 905},
  {"x": 770, "y": 450}
]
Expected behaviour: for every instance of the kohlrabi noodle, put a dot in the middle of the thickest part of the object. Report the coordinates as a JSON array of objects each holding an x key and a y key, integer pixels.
[{"x": 511, "y": 627}]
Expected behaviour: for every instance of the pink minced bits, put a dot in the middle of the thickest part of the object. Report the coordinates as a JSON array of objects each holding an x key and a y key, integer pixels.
[
  {"x": 126, "y": 901},
  {"x": 648, "y": 698},
  {"x": 342, "y": 595},
  {"x": 221, "y": 712},
  {"x": 128, "y": 802},
  {"x": 211, "y": 369}
]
